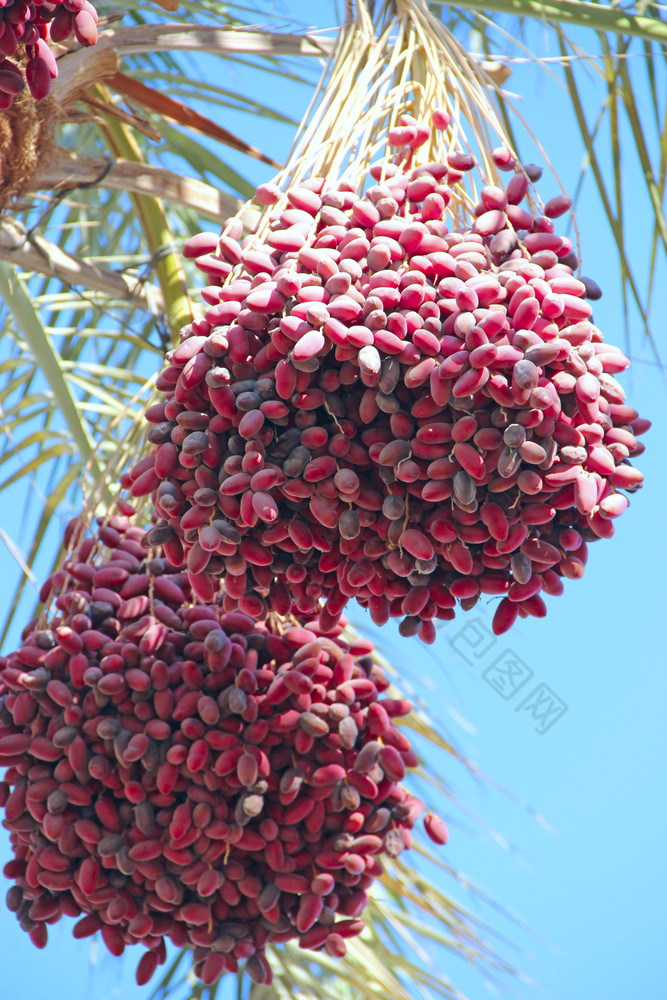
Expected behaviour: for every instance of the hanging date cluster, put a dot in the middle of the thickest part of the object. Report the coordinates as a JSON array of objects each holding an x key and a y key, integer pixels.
[
  {"x": 175, "y": 771},
  {"x": 378, "y": 407}
]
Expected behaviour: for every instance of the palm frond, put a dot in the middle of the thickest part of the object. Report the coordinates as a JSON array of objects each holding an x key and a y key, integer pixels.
[
  {"x": 578, "y": 13},
  {"x": 614, "y": 81},
  {"x": 27, "y": 320},
  {"x": 32, "y": 252}
]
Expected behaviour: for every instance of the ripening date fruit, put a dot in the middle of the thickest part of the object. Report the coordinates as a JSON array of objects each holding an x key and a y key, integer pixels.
[
  {"x": 180, "y": 771},
  {"x": 25, "y": 30},
  {"x": 376, "y": 406}
]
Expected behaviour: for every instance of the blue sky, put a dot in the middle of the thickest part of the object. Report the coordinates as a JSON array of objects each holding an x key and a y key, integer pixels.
[{"x": 575, "y": 848}]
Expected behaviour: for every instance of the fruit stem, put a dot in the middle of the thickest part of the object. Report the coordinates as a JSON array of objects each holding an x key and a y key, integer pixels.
[{"x": 150, "y": 210}]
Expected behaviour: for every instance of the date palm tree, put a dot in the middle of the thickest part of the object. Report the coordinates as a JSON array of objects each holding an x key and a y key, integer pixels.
[{"x": 101, "y": 183}]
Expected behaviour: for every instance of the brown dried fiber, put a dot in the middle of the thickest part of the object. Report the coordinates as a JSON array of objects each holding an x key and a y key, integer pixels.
[{"x": 26, "y": 143}]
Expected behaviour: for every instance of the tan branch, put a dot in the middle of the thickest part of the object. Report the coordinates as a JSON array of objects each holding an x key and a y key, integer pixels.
[
  {"x": 44, "y": 257},
  {"x": 83, "y": 66},
  {"x": 70, "y": 170},
  {"x": 164, "y": 38}
]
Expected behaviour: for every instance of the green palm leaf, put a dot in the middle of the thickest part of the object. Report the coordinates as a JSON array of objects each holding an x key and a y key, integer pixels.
[
  {"x": 578, "y": 13},
  {"x": 624, "y": 53}
]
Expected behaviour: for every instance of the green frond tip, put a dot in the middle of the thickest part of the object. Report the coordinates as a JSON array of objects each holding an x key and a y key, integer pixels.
[
  {"x": 574, "y": 12},
  {"x": 18, "y": 302}
]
